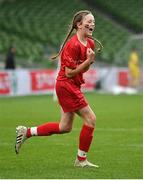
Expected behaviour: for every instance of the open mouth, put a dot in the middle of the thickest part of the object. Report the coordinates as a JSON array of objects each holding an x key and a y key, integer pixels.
[{"x": 91, "y": 29}]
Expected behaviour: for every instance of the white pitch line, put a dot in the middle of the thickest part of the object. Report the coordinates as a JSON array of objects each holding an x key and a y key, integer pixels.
[{"x": 115, "y": 129}]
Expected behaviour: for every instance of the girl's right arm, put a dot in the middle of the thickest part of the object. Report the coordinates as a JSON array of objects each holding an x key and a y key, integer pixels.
[{"x": 82, "y": 67}]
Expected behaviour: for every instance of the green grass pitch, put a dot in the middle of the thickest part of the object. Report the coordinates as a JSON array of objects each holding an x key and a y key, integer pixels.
[{"x": 117, "y": 145}]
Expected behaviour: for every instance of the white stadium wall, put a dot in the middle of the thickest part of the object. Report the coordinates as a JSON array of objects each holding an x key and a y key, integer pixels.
[{"x": 28, "y": 82}]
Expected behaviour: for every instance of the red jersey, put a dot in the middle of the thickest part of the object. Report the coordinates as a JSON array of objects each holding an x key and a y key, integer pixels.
[{"x": 72, "y": 55}]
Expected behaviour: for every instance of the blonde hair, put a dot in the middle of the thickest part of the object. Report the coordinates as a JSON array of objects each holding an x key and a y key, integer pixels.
[{"x": 76, "y": 18}]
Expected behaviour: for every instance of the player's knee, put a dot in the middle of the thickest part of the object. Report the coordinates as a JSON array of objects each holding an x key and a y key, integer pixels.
[
  {"x": 66, "y": 129},
  {"x": 91, "y": 120}
]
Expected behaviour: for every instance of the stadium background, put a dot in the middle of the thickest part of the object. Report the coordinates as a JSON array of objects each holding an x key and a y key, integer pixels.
[{"x": 37, "y": 28}]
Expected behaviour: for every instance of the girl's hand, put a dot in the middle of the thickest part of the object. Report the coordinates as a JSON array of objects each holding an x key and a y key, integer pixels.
[{"x": 90, "y": 55}]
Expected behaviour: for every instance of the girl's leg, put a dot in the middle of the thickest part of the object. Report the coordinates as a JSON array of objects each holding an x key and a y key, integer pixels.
[
  {"x": 86, "y": 134},
  {"x": 47, "y": 129}
]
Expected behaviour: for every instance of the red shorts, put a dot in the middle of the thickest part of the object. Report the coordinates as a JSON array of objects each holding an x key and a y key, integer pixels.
[{"x": 70, "y": 96}]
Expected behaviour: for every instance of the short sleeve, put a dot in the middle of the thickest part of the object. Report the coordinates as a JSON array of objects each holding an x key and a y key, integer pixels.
[{"x": 71, "y": 55}]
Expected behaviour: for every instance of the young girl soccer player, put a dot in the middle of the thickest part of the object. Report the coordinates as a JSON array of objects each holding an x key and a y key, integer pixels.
[{"x": 76, "y": 55}]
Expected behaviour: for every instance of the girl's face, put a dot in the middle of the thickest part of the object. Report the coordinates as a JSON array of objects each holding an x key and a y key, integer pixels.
[{"x": 87, "y": 25}]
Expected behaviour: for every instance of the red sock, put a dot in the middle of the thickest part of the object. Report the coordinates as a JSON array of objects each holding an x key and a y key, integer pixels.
[
  {"x": 48, "y": 129},
  {"x": 85, "y": 140},
  {"x": 45, "y": 129}
]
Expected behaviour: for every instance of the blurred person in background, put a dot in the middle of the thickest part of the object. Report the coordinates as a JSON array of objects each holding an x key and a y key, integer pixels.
[
  {"x": 76, "y": 55},
  {"x": 134, "y": 69},
  {"x": 10, "y": 58}
]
